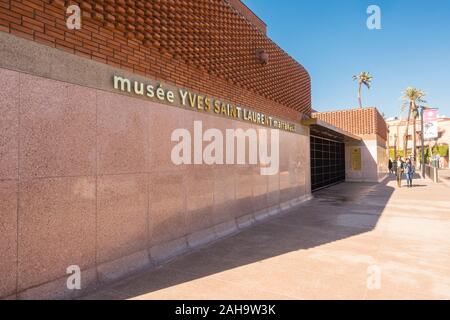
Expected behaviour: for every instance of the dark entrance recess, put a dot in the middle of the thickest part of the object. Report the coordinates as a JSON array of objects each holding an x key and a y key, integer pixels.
[
  {"x": 327, "y": 153},
  {"x": 327, "y": 162}
]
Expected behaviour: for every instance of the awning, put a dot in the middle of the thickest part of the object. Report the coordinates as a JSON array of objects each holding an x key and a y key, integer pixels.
[{"x": 325, "y": 130}]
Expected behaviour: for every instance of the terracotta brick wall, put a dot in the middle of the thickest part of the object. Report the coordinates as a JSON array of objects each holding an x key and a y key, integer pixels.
[
  {"x": 249, "y": 15},
  {"x": 356, "y": 121},
  {"x": 204, "y": 45},
  {"x": 382, "y": 127}
]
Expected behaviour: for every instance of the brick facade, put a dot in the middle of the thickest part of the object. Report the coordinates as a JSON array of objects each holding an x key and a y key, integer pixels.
[
  {"x": 204, "y": 45},
  {"x": 357, "y": 121},
  {"x": 249, "y": 15}
]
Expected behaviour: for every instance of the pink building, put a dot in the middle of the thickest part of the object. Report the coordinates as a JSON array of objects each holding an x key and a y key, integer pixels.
[{"x": 397, "y": 128}]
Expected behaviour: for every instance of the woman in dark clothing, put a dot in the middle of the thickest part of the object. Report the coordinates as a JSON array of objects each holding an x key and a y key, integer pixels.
[
  {"x": 399, "y": 171},
  {"x": 409, "y": 172}
]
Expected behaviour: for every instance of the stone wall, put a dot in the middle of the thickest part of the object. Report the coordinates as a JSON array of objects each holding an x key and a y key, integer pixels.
[
  {"x": 374, "y": 160},
  {"x": 86, "y": 177}
]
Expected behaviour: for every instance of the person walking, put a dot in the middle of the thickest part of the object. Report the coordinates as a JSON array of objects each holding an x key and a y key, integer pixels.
[
  {"x": 390, "y": 165},
  {"x": 394, "y": 166},
  {"x": 409, "y": 171},
  {"x": 399, "y": 171}
]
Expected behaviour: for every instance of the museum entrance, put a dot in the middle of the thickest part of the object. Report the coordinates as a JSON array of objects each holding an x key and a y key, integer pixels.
[
  {"x": 327, "y": 145},
  {"x": 327, "y": 162}
]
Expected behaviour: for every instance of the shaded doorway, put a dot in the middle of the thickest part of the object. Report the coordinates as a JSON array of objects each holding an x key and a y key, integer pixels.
[{"x": 327, "y": 162}]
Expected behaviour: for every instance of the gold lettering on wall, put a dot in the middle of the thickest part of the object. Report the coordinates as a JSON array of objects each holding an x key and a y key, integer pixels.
[{"x": 199, "y": 102}]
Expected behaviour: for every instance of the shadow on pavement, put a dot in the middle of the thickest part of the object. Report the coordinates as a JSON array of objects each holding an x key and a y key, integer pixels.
[{"x": 336, "y": 213}]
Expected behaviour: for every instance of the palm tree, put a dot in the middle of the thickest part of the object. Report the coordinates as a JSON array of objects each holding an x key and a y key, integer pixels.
[
  {"x": 411, "y": 97},
  {"x": 364, "y": 78}
]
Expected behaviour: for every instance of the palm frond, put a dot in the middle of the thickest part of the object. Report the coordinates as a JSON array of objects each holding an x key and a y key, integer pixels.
[
  {"x": 364, "y": 77},
  {"x": 414, "y": 95}
]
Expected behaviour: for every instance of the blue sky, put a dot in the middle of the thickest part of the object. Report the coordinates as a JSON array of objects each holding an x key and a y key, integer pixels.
[{"x": 331, "y": 40}]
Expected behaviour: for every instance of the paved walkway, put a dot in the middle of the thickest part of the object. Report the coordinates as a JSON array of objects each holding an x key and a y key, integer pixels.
[
  {"x": 444, "y": 176},
  {"x": 326, "y": 249}
]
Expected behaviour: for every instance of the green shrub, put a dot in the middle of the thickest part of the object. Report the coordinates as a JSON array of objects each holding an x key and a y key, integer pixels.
[
  {"x": 399, "y": 153},
  {"x": 441, "y": 150}
]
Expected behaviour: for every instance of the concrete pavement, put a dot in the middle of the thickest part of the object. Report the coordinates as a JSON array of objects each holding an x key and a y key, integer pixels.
[
  {"x": 444, "y": 176},
  {"x": 327, "y": 248}
]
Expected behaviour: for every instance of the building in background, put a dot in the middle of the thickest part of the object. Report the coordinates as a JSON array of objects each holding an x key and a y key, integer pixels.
[
  {"x": 366, "y": 158},
  {"x": 434, "y": 148}
]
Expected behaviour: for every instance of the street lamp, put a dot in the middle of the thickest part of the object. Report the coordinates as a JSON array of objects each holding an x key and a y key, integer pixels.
[
  {"x": 422, "y": 162},
  {"x": 395, "y": 146}
]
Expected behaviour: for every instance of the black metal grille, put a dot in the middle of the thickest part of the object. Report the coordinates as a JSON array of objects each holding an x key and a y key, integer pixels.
[{"x": 327, "y": 162}]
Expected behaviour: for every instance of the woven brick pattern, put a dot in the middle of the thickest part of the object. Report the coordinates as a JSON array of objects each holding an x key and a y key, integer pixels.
[
  {"x": 204, "y": 45},
  {"x": 356, "y": 121},
  {"x": 248, "y": 14}
]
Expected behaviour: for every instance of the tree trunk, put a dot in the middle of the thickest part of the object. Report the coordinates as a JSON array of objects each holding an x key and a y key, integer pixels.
[
  {"x": 405, "y": 139},
  {"x": 359, "y": 95},
  {"x": 398, "y": 146},
  {"x": 430, "y": 152},
  {"x": 414, "y": 132}
]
